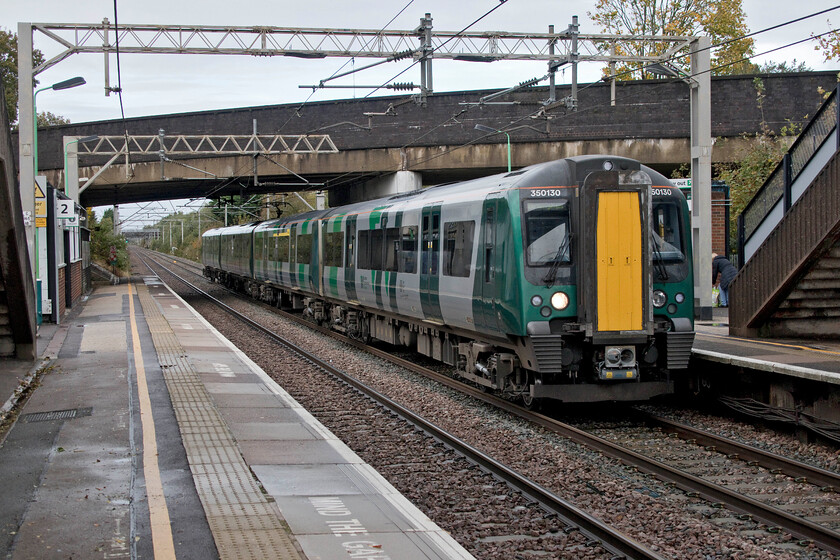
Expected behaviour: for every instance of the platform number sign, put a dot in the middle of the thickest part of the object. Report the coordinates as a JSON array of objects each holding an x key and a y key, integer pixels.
[{"x": 65, "y": 210}]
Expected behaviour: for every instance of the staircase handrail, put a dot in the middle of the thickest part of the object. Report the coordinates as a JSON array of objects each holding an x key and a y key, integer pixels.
[{"x": 777, "y": 185}]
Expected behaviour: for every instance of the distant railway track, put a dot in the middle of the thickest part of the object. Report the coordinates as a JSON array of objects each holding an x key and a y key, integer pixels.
[
  {"x": 573, "y": 518},
  {"x": 816, "y": 526}
]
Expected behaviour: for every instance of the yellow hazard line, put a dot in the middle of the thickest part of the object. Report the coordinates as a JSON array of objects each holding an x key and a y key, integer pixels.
[
  {"x": 768, "y": 343},
  {"x": 164, "y": 547}
]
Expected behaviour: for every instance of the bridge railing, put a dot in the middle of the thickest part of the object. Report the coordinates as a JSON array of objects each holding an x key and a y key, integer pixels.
[{"x": 790, "y": 179}]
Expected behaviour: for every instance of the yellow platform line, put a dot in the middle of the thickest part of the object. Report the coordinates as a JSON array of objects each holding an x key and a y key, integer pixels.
[
  {"x": 164, "y": 546},
  {"x": 768, "y": 343}
]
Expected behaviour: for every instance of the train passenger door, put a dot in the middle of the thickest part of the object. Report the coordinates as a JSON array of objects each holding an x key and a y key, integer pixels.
[
  {"x": 430, "y": 263},
  {"x": 350, "y": 259},
  {"x": 486, "y": 289}
]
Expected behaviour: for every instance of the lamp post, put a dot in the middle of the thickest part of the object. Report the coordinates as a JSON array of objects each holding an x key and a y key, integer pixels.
[
  {"x": 66, "y": 84},
  {"x": 488, "y": 129}
]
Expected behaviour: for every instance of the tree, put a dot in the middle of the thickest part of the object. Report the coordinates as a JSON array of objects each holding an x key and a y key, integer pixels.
[
  {"x": 754, "y": 167},
  {"x": 722, "y": 20},
  {"x": 49, "y": 119},
  {"x": 9, "y": 70}
]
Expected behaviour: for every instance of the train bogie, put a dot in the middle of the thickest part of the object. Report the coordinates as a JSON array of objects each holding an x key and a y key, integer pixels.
[{"x": 568, "y": 280}]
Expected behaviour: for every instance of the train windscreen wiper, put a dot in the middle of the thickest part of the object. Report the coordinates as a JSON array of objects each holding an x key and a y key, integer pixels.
[
  {"x": 551, "y": 275},
  {"x": 661, "y": 269}
]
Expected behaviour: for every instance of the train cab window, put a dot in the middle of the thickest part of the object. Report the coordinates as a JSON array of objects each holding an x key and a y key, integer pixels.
[
  {"x": 304, "y": 248},
  {"x": 408, "y": 250},
  {"x": 667, "y": 242},
  {"x": 333, "y": 247},
  {"x": 666, "y": 232},
  {"x": 547, "y": 239},
  {"x": 457, "y": 248}
]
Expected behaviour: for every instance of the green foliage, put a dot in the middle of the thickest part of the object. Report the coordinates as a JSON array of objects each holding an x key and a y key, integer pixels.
[
  {"x": 49, "y": 119},
  {"x": 102, "y": 238},
  {"x": 754, "y": 167},
  {"x": 722, "y": 20},
  {"x": 782, "y": 67},
  {"x": 9, "y": 70}
]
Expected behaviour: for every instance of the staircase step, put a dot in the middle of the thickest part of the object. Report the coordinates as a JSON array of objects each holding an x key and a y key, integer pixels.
[
  {"x": 7, "y": 346},
  {"x": 807, "y": 313}
]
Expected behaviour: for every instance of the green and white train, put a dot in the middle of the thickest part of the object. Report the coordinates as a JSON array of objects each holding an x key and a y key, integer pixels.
[{"x": 568, "y": 280}]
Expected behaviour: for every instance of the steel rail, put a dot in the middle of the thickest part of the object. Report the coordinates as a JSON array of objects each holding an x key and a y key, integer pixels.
[
  {"x": 797, "y": 526},
  {"x": 802, "y": 472},
  {"x": 612, "y": 540}
]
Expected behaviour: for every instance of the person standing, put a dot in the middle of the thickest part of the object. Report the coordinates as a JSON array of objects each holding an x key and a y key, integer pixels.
[{"x": 723, "y": 272}]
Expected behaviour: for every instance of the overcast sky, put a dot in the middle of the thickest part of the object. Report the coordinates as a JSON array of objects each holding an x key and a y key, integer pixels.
[
  {"x": 155, "y": 84},
  {"x": 158, "y": 84}
]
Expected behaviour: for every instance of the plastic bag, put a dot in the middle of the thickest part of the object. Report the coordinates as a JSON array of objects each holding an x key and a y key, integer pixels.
[{"x": 715, "y": 296}]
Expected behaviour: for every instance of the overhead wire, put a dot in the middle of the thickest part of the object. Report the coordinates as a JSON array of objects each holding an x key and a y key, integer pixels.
[
  {"x": 348, "y": 61},
  {"x": 355, "y": 177}
]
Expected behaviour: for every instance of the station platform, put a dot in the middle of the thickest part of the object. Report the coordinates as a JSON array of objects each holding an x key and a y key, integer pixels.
[
  {"x": 147, "y": 434},
  {"x": 816, "y": 360}
]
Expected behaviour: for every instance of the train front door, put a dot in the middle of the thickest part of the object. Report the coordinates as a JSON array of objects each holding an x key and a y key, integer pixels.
[{"x": 430, "y": 263}]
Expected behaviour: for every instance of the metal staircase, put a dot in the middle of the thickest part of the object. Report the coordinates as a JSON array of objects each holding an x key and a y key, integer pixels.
[{"x": 789, "y": 238}]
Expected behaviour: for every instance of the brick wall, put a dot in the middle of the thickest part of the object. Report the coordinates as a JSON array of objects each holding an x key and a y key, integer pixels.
[
  {"x": 719, "y": 226},
  {"x": 62, "y": 279},
  {"x": 75, "y": 282}
]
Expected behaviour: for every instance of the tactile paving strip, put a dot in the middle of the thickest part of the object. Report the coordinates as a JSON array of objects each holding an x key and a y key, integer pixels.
[{"x": 244, "y": 524}]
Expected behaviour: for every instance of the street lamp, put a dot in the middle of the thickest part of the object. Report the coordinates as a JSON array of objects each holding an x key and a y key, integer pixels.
[
  {"x": 66, "y": 84},
  {"x": 488, "y": 129}
]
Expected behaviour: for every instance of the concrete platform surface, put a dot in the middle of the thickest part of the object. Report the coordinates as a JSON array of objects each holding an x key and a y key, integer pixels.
[
  {"x": 817, "y": 360},
  {"x": 151, "y": 435}
]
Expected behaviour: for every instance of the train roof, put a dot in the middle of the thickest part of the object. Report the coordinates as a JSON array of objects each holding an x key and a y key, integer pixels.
[{"x": 565, "y": 172}]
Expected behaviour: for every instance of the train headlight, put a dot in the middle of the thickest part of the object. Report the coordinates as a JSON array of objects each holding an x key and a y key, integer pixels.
[
  {"x": 680, "y": 297},
  {"x": 545, "y": 311},
  {"x": 559, "y": 301},
  {"x": 659, "y": 298},
  {"x": 536, "y": 301}
]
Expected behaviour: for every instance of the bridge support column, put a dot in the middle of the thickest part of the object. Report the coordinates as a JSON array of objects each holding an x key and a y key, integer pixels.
[{"x": 387, "y": 185}]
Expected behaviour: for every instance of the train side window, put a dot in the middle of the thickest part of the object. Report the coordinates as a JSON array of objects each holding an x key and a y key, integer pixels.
[
  {"x": 457, "y": 248},
  {"x": 283, "y": 247},
  {"x": 304, "y": 248},
  {"x": 392, "y": 249},
  {"x": 408, "y": 250},
  {"x": 333, "y": 246},
  {"x": 377, "y": 248},
  {"x": 364, "y": 249}
]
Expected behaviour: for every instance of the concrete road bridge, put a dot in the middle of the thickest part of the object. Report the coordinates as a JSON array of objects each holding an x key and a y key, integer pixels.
[{"x": 375, "y": 138}]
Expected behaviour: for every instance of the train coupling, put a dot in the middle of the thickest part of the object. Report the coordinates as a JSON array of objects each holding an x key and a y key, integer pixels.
[{"x": 619, "y": 363}]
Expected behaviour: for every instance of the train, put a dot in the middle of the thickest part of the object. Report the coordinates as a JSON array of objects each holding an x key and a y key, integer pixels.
[{"x": 569, "y": 280}]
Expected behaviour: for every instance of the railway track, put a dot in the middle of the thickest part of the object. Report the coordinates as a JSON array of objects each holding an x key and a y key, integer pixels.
[
  {"x": 572, "y": 518},
  {"x": 808, "y": 510}
]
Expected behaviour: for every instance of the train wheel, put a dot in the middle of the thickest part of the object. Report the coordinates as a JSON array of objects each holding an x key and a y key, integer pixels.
[{"x": 531, "y": 403}]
